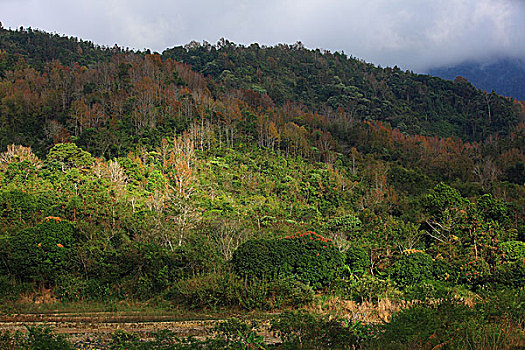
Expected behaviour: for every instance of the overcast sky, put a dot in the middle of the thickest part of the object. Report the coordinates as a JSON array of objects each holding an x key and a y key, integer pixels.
[{"x": 413, "y": 34}]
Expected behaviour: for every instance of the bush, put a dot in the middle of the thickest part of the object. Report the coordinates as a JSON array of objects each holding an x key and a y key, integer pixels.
[
  {"x": 423, "y": 326},
  {"x": 40, "y": 253},
  {"x": 513, "y": 250},
  {"x": 450, "y": 325},
  {"x": 366, "y": 287},
  {"x": 347, "y": 224},
  {"x": 71, "y": 288},
  {"x": 302, "y": 330},
  {"x": 38, "y": 338},
  {"x": 475, "y": 272},
  {"x": 288, "y": 292},
  {"x": 42, "y": 338},
  {"x": 256, "y": 258},
  {"x": 227, "y": 290},
  {"x": 9, "y": 289},
  {"x": 208, "y": 291},
  {"x": 427, "y": 290},
  {"x": 307, "y": 257},
  {"x": 356, "y": 258},
  {"x": 443, "y": 270},
  {"x": 511, "y": 273},
  {"x": 237, "y": 334},
  {"x": 412, "y": 268}
]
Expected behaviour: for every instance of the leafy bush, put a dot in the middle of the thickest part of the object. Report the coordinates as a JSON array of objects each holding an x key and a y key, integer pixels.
[
  {"x": 289, "y": 292},
  {"x": 72, "y": 288},
  {"x": 443, "y": 270},
  {"x": 423, "y": 326},
  {"x": 238, "y": 334},
  {"x": 347, "y": 224},
  {"x": 412, "y": 268},
  {"x": 427, "y": 290},
  {"x": 366, "y": 287},
  {"x": 208, "y": 291},
  {"x": 307, "y": 257},
  {"x": 232, "y": 334},
  {"x": 302, "y": 330},
  {"x": 40, "y": 253},
  {"x": 227, "y": 290},
  {"x": 475, "y": 272},
  {"x": 513, "y": 250},
  {"x": 69, "y": 155},
  {"x": 447, "y": 324},
  {"x": 256, "y": 259},
  {"x": 356, "y": 258},
  {"x": 42, "y": 338},
  {"x": 441, "y": 198},
  {"x": 511, "y": 273},
  {"x": 492, "y": 208},
  {"x": 38, "y": 338}
]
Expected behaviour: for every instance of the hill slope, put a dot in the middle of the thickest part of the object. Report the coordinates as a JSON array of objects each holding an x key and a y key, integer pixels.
[
  {"x": 325, "y": 82},
  {"x": 148, "y": 180}
]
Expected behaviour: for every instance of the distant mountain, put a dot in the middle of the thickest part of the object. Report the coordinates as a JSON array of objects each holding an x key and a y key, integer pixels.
[{"x": 505, "y": 76}]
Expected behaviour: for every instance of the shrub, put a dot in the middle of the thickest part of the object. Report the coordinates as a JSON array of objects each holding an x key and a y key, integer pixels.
[
  {"x": 423, "y": 326},
  {"x": 208, "y": 291},
  {"x": 356, "y": 258},
  {"x": 347, "y": 224},
  {"x": 238, "y": 334},
  {"x": 71, "y": 288},
  {"x": 412, "y": 268},
  {"x": 448, "y": 324},
  {"x": 307, "y": 257},
  {"x": 513, "y": 250},
  {"x": 40, "y": 253},
  {"x": 475, "y": 272},
  {"x": 255, "y": 258},
  {"x": 427, "y": 290},
  {"x": 366, "y": 287},
  {"x": 227, "y": 290},
  {"x": 42, "y": 338},
  {"x": 302, "y": 330},
  {"x": 511, "y": 273},
  {"x": 443, "y": 270},
  {"x": 289, "y": 292},
  {"x": 492, "y": 208}
]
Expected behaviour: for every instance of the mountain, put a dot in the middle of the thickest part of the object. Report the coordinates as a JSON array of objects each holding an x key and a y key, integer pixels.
[
  {"x": 38, "y": 47},
  {"x": 504, "y": 76},
  {"x": 326, "y": 82}
]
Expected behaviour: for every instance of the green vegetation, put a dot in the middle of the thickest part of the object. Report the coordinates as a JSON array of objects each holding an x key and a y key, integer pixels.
[{"x": 272, "y": 183}]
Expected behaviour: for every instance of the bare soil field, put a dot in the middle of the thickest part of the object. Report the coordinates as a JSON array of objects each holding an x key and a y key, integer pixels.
[{"x": 95, "y": 329}]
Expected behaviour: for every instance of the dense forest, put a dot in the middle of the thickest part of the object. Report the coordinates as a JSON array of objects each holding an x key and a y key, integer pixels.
[{"x": 263, "y": 178}]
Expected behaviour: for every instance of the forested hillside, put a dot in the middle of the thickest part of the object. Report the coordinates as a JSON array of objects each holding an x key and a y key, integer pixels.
[
  {"x": 37, "y": 47},
  {"x": 261, "y": 178},
  {"x": 325, "y": 82}
]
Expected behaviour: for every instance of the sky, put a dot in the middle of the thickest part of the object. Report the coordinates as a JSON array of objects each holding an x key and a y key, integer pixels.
[{"x": 412, "y": 34}]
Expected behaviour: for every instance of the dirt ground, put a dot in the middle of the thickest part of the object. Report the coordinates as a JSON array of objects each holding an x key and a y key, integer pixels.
[{"x": 95, "y": 329}]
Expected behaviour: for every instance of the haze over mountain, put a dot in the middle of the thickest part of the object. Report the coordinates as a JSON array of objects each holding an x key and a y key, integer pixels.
[{"x": 505, "y": 76}]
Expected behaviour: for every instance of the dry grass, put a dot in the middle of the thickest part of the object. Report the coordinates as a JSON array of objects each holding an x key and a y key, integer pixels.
[{"x": 366, "y": 311}]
